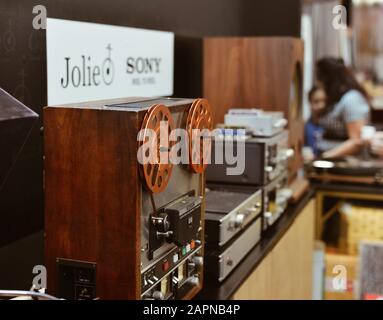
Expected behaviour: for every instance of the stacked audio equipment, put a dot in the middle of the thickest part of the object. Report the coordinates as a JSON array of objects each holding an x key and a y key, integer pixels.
[
  {"x": 117, "y": 227},
  {"x": 246, "y": 72},
  {"x": 253, "y": 200},
  {"x": 233, "y": 228},
  {"x": 267, "y": 154}
]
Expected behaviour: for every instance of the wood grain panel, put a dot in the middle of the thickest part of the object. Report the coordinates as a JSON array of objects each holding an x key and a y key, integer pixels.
[
  {"x": 249, "y": 72},
  {"x": 91, "y": 196},
  {"x": 256, "y": 72}
]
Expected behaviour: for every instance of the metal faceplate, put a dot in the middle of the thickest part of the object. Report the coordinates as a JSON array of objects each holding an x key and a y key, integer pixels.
[
  {"x": 264, "y": 124},
  {"x": 181, "y": 183},
  {"x": 233, "y": 255},
  {"x": 234, "y": 220},
  {"x": 265, "y": 159},
  {"x": 145, "y": 104},
  {"x": 182, "y": 272},
  {"x": 276, "y": 154},
  {"x": 276, "y": 198}
]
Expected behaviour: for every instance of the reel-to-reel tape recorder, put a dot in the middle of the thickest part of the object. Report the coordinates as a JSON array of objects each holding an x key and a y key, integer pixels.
[{"x": 123, "y": 220}]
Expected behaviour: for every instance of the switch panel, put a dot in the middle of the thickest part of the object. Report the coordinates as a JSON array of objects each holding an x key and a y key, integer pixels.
[{"x": 76, "y": 279}]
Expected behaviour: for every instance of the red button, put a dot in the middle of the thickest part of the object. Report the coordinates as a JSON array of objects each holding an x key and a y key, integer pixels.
[
  {"x": 192, "y": 244},
  {"x": 165, "y": 266}
]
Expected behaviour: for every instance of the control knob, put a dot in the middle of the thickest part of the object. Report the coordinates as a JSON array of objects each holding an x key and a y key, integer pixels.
[
  {"x": 197, "y": 261},
  {"x": 158, "y": 295},
  {"x": 193, "y": 280},
  {"x": 238, "y": 220},
  {"x": 252, "y": 210},
  {"x": 162, "y": 224},
  {"x": 269, "y": 169},
  {"x": 268, "y": 216}
]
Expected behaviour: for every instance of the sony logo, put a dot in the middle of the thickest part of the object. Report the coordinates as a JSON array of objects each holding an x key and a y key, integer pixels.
[{"x": 141, "y": 65}]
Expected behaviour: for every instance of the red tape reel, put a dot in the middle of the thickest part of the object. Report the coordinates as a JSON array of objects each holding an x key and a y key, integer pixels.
[
  {"x": 155, "y": 173},
  {"x": 199, "y": 117}
]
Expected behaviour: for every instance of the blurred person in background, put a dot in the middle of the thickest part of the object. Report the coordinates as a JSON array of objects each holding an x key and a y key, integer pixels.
[
  {"x": 347, "y": 109},
  {"x": 313, "y": 131}
]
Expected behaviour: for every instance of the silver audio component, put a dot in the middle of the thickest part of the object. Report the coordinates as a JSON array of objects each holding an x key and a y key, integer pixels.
[
  {"x": 220, "y": 265},
  {"x": 228, "y": 213},
  {"x": 266, "y": 159},
  {"x": 276, "y": 198},
  {"x": 260, "y": 123},
  {"x": 173, "y": 275}
]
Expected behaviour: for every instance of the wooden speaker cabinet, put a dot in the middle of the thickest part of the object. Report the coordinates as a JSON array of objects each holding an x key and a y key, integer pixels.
[
  {"x": 116, "y": 228},
  {"x": 245, "y": 72}
]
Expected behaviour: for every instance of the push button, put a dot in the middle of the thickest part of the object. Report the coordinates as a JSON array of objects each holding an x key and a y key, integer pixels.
[{"x": 165, "y": 266}]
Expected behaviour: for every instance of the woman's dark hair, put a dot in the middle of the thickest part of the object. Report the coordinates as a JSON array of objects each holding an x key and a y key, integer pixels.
[
  {"x": 312, "y": 91},
  {"x": 337, "y": 79}
]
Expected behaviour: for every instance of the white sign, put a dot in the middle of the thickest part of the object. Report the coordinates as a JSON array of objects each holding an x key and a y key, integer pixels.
[{"x": 88, "y": 61}]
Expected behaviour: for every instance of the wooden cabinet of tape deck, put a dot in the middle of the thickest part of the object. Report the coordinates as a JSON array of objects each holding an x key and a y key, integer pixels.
[
  {"x": 245, "y": 72},
  {"x": 93, "y": 189}
]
